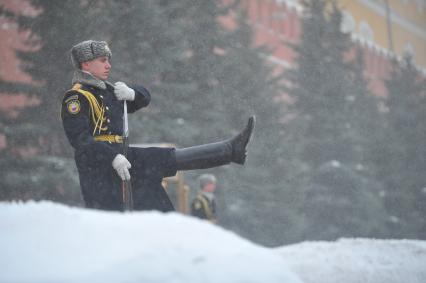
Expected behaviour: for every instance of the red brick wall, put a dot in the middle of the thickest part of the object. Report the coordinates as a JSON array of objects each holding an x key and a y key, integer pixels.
[{"x": 10, "y": 39}]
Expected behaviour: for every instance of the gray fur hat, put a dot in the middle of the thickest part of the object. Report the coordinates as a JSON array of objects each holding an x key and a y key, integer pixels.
[
  {"x": 206, "y": 179},
  {"x": 89, "y": 50}
]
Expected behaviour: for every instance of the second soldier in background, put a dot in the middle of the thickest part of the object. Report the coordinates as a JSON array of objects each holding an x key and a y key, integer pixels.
[{"x": 204, "y": 205}]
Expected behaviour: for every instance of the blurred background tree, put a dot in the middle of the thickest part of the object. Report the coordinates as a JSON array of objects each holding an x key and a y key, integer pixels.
[
  {"x": 332, "y": 112},
  {"x": 402, "y": 159}
]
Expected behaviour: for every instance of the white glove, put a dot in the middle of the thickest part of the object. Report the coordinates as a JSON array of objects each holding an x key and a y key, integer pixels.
[
  {"x": 122, "y": 166},
  {"x": 123, "y": 92}
]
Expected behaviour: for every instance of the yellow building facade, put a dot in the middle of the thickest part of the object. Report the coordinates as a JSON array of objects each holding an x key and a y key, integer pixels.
[{"x": 398, "y": 26}]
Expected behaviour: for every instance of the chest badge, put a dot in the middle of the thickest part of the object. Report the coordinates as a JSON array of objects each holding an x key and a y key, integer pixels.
[{"x": 73, "y": 106}]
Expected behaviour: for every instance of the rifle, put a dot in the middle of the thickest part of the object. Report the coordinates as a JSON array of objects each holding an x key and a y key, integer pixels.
[{"x": 126, "y": 185}]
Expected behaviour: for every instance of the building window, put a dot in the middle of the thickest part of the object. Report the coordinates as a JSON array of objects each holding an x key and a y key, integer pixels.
[
  {"x": 365, "y": 31},
  {"x": 348, "y": 22},
  {"x": 409, "y": 49},
  {"x": 420, "y": 5}
]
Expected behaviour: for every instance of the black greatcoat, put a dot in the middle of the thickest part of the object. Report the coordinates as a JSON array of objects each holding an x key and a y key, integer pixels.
[{"x": 100, "y": 184}]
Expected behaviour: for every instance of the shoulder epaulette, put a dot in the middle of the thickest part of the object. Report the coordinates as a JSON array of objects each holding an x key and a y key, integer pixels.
[
  {"x": 76, "y": 86},
  {"x": 97, "y": 111}
]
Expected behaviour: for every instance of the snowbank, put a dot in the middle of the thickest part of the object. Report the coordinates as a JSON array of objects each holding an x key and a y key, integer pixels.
[
  {"x": 46, "y": 242},
  {"x": 358, "y": 261}
]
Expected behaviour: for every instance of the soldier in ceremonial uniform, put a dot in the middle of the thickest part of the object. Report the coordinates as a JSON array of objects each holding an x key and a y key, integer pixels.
[
  {"x": 92, "y": 117},
  {"x": 204, "y": 205}
]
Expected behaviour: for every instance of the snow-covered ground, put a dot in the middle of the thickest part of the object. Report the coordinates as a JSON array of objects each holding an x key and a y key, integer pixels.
[
  {"x": 358, "y": 261},
  {"x": 47, "y": 242}
]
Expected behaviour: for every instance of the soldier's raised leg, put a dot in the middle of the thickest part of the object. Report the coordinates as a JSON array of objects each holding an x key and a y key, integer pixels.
[{"x": 216, "y": 154}]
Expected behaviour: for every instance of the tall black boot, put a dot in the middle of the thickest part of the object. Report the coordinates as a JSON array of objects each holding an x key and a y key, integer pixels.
[{"x": 218, "y": 153}]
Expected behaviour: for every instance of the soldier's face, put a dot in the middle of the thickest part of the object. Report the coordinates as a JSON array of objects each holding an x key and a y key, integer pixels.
[
  {"x": 210, "y": 187},
  {"x": 99, "y": 67}
]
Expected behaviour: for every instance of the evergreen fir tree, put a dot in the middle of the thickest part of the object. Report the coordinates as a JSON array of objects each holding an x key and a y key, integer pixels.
[
  {"x": 259, "y": 191},
  {"x": 403, "y": 150},
  {"x": 321, "y": 83},
  {"x": 148, "y": 48},
  {"x": 331, "y": 124}
]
